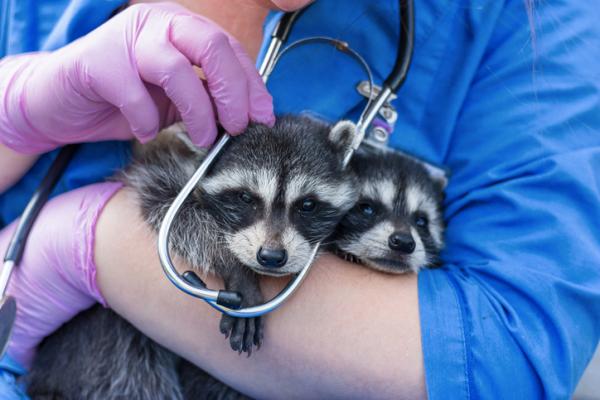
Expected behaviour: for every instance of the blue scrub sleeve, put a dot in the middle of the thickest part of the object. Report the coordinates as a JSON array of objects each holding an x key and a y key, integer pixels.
[
  {"x": 515, "y": 311},
  {"x": 10, "y": 389}
]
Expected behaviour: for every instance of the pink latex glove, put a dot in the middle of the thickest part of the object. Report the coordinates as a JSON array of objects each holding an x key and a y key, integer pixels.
[
  {"x": 56, "y": 278},
  {"x": 121, "y": 80}
]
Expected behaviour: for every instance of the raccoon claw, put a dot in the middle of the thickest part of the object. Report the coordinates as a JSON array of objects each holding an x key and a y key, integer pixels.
[
  {"x": 237, "y": 335},
  {"x": 258, "y": 333},
  {"x": 226, "y": 325},
  {"x": 242, "y": 333},
  {"x": 249, "y": 335}
]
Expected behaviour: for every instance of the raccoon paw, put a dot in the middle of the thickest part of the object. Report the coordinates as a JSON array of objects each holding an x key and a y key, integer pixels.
[{"x": 243, "y": 333}]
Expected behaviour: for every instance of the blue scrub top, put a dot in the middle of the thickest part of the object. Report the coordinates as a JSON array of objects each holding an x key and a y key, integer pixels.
[{"x": 511, "y": 105}]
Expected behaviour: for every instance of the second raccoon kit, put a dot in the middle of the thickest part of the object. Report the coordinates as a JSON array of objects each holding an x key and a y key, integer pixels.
[{"x": 397, "y": 223}]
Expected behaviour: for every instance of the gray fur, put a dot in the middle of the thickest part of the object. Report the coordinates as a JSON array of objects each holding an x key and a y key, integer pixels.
[
  {"x": 98, "y": 355},
  {"x": 397, "y": 190}
]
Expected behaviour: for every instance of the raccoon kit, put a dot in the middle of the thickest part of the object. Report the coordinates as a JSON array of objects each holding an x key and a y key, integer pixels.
[
  {"x": 269, "y": 198},
  {"x": 397, "y": 224}
]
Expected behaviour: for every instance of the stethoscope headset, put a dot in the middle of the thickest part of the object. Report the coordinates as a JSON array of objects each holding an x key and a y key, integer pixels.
[{"x": 228, "y": 302}]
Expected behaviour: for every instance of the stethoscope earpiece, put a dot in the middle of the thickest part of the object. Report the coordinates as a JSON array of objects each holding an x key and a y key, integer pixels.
[
  {"x": 225, "y": 298},
  {"x": 229, "y": 299},
  {"x": 193, "y": 279}
]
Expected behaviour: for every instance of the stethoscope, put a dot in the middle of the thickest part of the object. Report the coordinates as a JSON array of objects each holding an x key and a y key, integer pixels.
[{"x": 228, "y": 302}]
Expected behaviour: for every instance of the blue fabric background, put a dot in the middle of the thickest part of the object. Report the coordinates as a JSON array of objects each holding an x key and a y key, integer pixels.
[{"x": 515, "y": 115}]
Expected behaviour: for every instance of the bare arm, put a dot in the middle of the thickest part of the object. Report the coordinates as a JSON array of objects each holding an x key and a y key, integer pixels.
[
  {"x": 13, "y": 166},
  {"x": 348, "y": 332}
]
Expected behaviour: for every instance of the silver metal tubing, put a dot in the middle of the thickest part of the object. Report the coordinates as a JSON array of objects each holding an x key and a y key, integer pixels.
[
  {"x": 270, "y": 58},
  {"x": 165, "y": 228},
  {"x": 7, "y": 269},
  {"x": 370, "y": 114},
  {"x": 365, "y": 120},
  {"x": 275, "y": 302},
  {"x": 341, "y": 46}
]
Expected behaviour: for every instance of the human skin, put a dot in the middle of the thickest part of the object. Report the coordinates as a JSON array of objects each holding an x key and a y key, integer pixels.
[
  {"x": 348, "y": 332},
  {"x": 242, "y": 18},
  {"x": 12, "y": 166}
]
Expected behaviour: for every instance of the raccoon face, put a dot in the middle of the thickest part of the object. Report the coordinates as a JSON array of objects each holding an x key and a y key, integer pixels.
[
  {"x": 276, "y": 192},
  {"x": 396, "y": 225}
]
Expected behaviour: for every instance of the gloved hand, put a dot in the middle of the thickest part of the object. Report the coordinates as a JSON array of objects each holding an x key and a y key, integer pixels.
[
  {"x": 121, "y": 80},
  {"x": 56, "y": 278}
]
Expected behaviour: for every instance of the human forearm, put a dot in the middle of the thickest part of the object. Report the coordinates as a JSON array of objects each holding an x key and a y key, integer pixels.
[
  {"x": 13, "y": 166},
  {"x": 337, "y": 336}
]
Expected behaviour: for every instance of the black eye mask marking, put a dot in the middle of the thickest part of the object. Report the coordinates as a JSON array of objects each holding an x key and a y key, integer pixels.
[
  {"x": 308, "y": 205},
  {"x": 234, "y": 209},
  {"x": 366, "y": 214},
  {"x": 367, "y": 209},
  {"x": 314, "y": 219},
  {"x": 421, "y": 221},
  {"x": 246, "y": 197}
]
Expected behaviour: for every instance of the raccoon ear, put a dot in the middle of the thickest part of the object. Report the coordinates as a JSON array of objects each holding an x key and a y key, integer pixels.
[
  {"x": 180, "y": 132},
  {"x": 438, "y": 176},
  {"x": 342, "y": 134},
  {"x": 173, "y": 142}
]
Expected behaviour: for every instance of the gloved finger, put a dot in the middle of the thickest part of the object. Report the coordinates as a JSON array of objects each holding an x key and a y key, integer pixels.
[
  {"x": 260, "y": 100},
  {"x": 224, "y": 74},
  {"x": 175, "y": 75},
  {"x": 128, "y": 93},
  {"x": 167, "y": 111}
]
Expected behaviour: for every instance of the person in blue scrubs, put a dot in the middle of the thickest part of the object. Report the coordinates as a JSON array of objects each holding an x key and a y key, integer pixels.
[{"x": 503, "y": 94}]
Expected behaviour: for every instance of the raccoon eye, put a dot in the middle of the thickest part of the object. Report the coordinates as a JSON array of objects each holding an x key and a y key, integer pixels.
[
  {"x": 421, "y": 221},
  {"x": 366, "y": 209},
  {"x": 308, "y": 205},
  {"x": 246, "y": 198}
]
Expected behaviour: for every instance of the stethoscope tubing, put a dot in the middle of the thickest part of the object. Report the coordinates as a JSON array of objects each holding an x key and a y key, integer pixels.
[
  {"x": 16, "y": 246},
  {"x": 17, "y": 243}
]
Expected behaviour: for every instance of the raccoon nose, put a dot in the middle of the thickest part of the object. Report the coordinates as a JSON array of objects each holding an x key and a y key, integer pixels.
[
  {"x": 401, "y": 241},
  {"x": 271, "y": 258}
]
